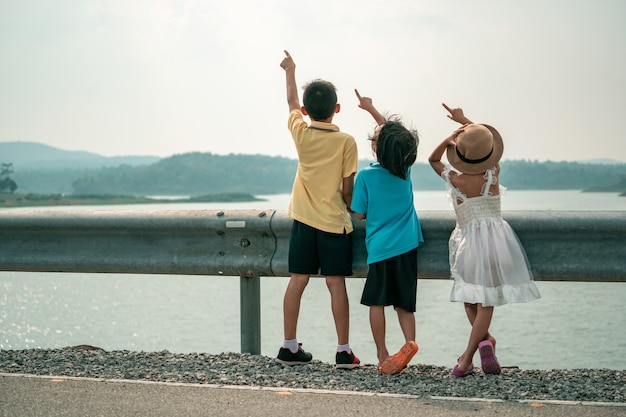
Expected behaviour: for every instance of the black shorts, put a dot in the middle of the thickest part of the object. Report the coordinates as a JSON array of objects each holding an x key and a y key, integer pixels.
[
  {"x": 312, "y": 251},
  {"x": 392, "y": 282}
]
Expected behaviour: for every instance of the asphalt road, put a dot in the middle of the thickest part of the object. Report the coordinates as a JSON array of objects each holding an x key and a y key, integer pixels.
[{"x": 26, "y": 396}]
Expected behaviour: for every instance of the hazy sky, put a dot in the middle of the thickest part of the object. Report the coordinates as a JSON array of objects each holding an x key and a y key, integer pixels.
[{"x": 164, "y": 77}]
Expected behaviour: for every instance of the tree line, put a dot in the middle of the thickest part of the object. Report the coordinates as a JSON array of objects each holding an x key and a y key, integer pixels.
[
  {"x": 198, "y": 173},
  {"x": 7, "y": 184}
]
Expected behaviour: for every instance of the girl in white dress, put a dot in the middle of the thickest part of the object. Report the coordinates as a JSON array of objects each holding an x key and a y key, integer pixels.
[{"x": 487, "y": 261}]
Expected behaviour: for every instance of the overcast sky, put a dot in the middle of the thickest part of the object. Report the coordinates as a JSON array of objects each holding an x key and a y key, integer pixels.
[{"x": 164, "y": 77}]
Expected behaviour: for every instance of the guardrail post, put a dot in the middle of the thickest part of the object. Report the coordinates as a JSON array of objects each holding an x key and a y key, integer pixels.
[{"x": 250, "y": 312}]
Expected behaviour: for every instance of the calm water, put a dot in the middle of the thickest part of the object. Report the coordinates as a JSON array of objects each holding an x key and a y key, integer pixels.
[{"x": 574, "y": 325}]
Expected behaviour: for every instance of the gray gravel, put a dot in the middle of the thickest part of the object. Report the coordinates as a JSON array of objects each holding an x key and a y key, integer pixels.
[{"x": 422, "y": 381}]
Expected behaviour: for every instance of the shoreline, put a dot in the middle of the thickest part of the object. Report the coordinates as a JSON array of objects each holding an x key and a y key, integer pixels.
[{"x": 45, "y": 200}]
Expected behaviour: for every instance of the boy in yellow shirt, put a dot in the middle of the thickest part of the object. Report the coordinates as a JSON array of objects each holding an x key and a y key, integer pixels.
[{"x": 321, "y": 235}]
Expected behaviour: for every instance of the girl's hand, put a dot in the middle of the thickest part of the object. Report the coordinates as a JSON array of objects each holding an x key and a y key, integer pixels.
[
  {"x": 457, "y": 115},
  {"x": 451, "y": 140},
  {"x": 364, "y": 102}
]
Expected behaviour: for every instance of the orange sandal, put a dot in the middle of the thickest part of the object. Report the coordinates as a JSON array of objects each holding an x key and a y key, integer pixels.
[{"x": 397, "y": 362}]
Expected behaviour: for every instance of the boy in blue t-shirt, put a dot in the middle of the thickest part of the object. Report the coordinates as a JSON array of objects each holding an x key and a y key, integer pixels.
[{"x": 383, "y": 192}]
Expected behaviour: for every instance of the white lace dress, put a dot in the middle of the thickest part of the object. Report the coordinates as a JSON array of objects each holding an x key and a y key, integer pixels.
[{"x": 487, "y": 261}]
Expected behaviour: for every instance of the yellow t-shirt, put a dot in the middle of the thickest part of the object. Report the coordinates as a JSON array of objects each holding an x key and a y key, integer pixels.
[{"x": 325, "y": 157}]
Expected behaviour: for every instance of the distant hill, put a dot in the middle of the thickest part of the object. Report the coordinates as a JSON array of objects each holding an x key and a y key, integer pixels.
[
  {"x": 533, "y": 175},
  {"x": 32, "y": 155},
  {"x": 44, "y": 169},
  {"x": 195, "y": 174},
  {"x": 205, "y": 173},
  {"x": 40, "y": 168},
  {"x": 602, "y": 161}
]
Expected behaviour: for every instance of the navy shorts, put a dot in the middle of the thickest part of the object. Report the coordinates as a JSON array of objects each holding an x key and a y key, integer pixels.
[
  {"x": 313, "y": 252},
  {"x": 393, "y": 282}
]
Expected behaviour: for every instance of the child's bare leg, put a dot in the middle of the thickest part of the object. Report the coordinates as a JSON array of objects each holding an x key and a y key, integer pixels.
[
  {"x": 340, "y": 307},
  {"x": 407, "y": 324},
  {"x": 480, "y": 329},
  {"x": 291, "y": 304},
  {"x": 470, "y": 310},
  {"x": 378, "y": 325}
]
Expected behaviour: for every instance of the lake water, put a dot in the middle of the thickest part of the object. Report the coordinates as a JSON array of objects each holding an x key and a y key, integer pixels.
[{"x": 573, "y": 325}]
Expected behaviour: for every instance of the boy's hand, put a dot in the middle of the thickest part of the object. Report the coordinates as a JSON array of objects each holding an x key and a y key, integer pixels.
[
  {"x": 287, "y": 62},
  {"x": 290, "y": 76},
  {"x": 457, "y": 115},
  {"x": 364, "y": 102}
]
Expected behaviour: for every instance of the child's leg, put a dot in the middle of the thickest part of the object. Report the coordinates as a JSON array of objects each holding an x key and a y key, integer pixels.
[
  {"x": 470, "y": 310},
  {"x": 407, "y": 324},
  {"x": 291, "y": 304},
  {"x": 480, "y": 329},
  {"x": 340, "y": 307},
  {"x": 398, "y": 361},
  {"x": 378, "y": 325}
]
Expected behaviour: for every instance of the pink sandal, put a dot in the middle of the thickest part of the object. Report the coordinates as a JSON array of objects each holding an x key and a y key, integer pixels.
[
  {"x": 488, "y": 359},
  {"x": 460, "y": 374}
]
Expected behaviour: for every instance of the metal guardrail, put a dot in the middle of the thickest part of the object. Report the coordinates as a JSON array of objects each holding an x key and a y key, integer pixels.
[{"x": 561, "y": 246}]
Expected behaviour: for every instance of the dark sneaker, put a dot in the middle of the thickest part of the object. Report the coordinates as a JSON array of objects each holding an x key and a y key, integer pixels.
[
  {"x": 287, "y": 357},
  {"x": 347, "y": 360}
]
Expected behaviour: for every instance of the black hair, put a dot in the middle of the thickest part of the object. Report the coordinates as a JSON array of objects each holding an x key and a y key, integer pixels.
[
  {"x": 396, "y": 148},
  {"x": 320, "y": 99}
]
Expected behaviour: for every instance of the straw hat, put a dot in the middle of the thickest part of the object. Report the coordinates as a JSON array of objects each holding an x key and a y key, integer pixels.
[{"x": 478, "y": 148}]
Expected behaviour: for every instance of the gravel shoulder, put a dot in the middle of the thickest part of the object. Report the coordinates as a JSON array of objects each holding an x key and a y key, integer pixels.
[{"x": 421, "y": 381}]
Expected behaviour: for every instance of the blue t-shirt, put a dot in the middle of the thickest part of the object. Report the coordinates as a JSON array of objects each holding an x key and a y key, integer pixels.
[{"x": 392, "y": 227}]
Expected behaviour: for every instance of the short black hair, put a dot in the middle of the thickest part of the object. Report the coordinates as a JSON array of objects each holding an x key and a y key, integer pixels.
[
  {"x": 396, "y": 148},
  {"x": 320, "y": 99}
]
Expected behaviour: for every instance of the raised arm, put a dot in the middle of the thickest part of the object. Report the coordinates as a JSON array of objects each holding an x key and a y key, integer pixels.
[
  {"x": 290, "y": 75},
  {"x": 435, "y": 158},
  {"x": 366, "y": 104},
  {"x": 457, "y": 115}
]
